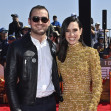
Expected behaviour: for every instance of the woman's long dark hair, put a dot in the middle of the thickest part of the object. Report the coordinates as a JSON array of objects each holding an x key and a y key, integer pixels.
[{"x": 63, "y": 45}]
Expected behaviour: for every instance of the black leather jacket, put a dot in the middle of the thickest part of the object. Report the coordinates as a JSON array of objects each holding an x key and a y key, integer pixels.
[{"x": 21, "y": 73}]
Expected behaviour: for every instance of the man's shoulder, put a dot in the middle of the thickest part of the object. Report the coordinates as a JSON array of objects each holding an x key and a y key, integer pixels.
[
  {"x": 16, "y": 43},
  {"x": 52, "y": 23},
  {"x": 11, "y": 23},
  {"x": 58, "y": 23}
]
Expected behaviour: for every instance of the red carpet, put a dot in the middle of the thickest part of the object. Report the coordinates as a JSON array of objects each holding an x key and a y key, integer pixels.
[
  {"x": 104, "y": 107},
  {"x": 101, "y": 107},
  {"x": 4, "y": 108}
]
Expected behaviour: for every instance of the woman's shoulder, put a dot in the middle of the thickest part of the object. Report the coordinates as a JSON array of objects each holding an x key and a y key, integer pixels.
[{"x": 90, "y": 51}]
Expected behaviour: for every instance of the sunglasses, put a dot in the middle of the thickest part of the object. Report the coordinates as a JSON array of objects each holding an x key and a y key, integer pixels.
[{"x": 37, "y": 19}]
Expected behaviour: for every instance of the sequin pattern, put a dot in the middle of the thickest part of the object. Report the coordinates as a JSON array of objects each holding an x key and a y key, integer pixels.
[{"x": 80, "y": 68}]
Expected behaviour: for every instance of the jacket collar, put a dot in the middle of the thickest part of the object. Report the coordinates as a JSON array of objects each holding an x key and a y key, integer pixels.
[{"x": 28, "y": 43}]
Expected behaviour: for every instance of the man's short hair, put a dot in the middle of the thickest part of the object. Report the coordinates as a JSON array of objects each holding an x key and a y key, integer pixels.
[
  {"x": 39, "y": 7},
  {"x": 54, "y": 16}
]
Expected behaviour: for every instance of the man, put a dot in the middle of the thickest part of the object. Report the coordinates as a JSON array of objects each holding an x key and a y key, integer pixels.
[
  {"x": 55, "y": 22},
  {"x": 25, "y": 30},
  {"x": 3, "y": 49},
  {"x": 100, "y": 45},
  {"x": 98, "y": 31},
  {"x": 31, "y": 75},
  {"x": 3, "y": 34},
  {"x": 3, "y": 43},
  {"x": 15, "y": 27}
]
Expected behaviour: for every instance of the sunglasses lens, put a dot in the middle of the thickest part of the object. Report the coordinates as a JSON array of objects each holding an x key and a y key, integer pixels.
[
  {"x": 35, "y": 19},
  {"x": 44, "y": 19}
]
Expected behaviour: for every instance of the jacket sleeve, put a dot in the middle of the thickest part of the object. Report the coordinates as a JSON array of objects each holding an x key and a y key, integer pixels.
[
  {"x": 10, "y": 29},
  {"x": 10, "y": 76},
  {"x": 96, "y": 80}
]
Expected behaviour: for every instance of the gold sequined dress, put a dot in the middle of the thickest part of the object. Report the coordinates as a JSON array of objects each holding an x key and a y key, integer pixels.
[{"x": 80, "y": 68}]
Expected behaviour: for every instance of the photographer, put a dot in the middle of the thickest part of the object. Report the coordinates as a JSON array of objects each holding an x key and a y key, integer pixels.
[{"x": 15, "y": 27}]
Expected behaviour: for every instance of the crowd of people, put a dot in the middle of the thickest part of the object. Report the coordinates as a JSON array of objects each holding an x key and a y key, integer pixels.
[
  {"x": 34, "y": 57},
  {"x": 16, "y": 31},
  {"x": 100, "y": 40}
]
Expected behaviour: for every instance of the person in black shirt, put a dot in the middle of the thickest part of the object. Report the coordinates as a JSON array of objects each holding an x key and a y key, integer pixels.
[{"x": 15, "y": 27}]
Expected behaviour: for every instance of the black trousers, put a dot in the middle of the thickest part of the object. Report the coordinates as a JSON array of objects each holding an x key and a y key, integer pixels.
[{"x": 42, "y": 104}]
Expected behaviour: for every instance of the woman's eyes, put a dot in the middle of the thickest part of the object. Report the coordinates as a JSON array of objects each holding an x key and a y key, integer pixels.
[{"x": 74, "y": 30}]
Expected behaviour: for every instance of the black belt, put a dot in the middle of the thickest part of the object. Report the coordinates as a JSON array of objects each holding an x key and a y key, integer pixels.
[{"x": 45, "y": 98}]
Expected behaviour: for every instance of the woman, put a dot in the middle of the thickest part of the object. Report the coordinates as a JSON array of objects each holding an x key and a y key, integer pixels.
[{"x": 80, "y": 68}]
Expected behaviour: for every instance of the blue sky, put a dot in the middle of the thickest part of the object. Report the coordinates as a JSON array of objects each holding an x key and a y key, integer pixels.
[{"x": 61, "y": 8}]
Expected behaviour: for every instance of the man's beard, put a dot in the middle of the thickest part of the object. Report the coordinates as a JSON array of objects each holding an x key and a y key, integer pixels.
[{"x": 39, "y": 33}]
